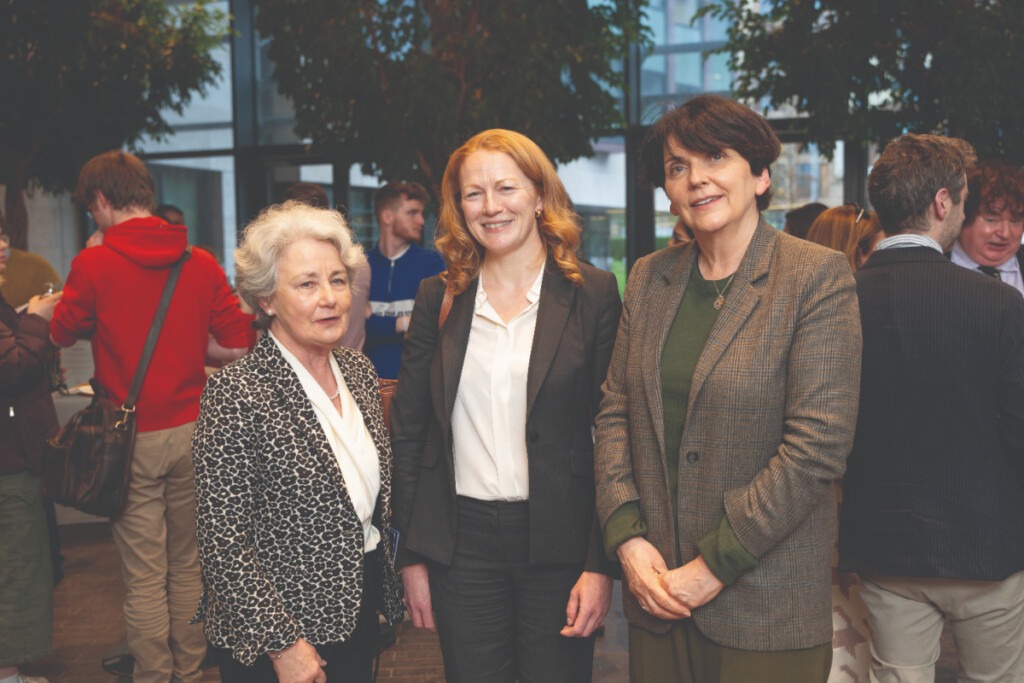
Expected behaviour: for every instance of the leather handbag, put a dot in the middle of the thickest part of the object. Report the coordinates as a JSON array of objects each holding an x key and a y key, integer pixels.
[
  {"x": 87, "y": 465},
  {"x": 388, "y": 387}
]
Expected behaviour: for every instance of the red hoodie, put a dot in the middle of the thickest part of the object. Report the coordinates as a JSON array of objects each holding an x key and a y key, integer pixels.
[{"x": 111, "y": 296}]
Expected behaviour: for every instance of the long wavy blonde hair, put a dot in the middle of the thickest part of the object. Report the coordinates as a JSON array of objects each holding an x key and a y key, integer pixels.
[{"x": 558, "y": 224}]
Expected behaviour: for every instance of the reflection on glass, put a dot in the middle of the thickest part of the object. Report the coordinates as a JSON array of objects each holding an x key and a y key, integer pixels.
[
  {"x": 597, "y": 187},
  {"x": 802, "y": 175},
  {"x": 204, "y": 189}
]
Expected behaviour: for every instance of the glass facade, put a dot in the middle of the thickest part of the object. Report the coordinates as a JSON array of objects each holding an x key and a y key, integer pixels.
[{"x": 234, "y": 149}]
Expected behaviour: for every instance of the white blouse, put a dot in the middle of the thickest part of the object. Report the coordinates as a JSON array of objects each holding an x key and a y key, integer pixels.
[
  {"x": 489, "y": 417},
  {"x": 350, "y": 441}
]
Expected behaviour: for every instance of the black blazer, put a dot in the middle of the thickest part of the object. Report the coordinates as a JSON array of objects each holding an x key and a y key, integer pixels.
[
  {"x": 932, "y": 486},
  {"x": 280, "y": 545},
  {"x": 572, "y": 345}
]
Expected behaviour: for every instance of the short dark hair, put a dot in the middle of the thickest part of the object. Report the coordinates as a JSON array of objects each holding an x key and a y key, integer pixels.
[
  {"x": 310, "y": 194},
  {"x": 994, "y": 186},
  {"x": 799, "y": 220},
  {"x": 164, "y": 211},
  {"x": 710, "y": 124},
  {"x": 911, "y": 170},
  {"x": 121, "y": 177},
  {"x": 386, "y": 197}
]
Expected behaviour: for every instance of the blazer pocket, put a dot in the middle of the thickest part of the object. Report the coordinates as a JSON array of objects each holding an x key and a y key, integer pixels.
[
  {"x": 430, "y": 452},
  {"x": 581, "y": 463}
]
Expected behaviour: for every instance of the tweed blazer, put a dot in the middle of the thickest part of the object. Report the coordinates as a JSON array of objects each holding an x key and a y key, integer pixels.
[
  {"x": 572, "y": 344},
  {"x": 935, "y": 485},
  {"x": 770, "y": 421},
  {"x": 280, "y": 545}
]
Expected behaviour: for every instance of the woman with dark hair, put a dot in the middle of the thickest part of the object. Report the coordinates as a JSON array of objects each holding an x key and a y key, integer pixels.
[
  {"x": 728, "y": 413},
  {"x": 849, "y": 229},
  {"x": 492, "y": 425}
]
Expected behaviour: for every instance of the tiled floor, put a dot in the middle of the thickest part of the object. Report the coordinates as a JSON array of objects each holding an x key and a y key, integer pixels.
[{"x": 88, "y": 626}]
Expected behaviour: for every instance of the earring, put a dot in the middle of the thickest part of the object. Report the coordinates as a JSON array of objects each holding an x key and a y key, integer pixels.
[{"x": 536, "y": 214}]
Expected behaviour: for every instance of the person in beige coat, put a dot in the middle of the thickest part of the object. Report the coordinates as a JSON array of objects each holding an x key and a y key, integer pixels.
[{"x": 728, "y": 413}]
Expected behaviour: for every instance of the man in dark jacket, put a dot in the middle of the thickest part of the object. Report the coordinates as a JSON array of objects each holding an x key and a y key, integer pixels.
[{"x": 933, "y": 509}]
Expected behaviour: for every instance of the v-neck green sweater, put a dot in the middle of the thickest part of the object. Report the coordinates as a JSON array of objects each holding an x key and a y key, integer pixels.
[{"x": 685, "y": 343}]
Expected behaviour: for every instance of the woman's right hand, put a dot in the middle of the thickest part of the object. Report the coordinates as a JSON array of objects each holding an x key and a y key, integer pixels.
[
  {"x": 43, "y": 305},
  {"x": 416, "y": 580},
  {"x": 642, "y": 567},
  {"x": 300, "y": 663}
]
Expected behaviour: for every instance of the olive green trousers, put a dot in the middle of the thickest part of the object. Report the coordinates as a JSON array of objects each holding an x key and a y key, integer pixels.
[{"x": 684, "y": 655}]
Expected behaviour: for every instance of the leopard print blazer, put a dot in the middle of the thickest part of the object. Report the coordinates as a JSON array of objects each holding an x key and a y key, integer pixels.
[{"x": 280, "y": 545}]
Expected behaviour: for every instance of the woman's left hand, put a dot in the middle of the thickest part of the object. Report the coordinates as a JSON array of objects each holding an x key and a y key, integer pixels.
[
  {"x": 693, "y": 584},
  {"x": 588, "y": 605}
]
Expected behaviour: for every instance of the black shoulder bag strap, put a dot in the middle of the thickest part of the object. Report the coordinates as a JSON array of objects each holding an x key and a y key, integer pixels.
[{"x": 154, "y": 333}]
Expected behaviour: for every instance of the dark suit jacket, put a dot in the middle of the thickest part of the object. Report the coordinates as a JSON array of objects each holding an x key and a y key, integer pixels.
[
  {"x": 280, "y": 545},
  {"x": 571, "y": 347},
  {"x": 769, "y": 424},
  {"x": 931, "y": 488}
]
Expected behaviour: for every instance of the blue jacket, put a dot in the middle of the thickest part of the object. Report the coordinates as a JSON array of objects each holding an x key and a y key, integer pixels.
[{"x": 393, "y": 287}]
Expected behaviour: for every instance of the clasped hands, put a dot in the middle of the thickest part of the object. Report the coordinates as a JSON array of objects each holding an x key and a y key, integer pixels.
[{"x": 668, "y": 595}]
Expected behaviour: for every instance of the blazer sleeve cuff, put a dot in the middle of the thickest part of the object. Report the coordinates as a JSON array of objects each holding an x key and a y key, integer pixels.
[
  {"x": 625, "y": 523},
  {"x": 725, "y": 555}
]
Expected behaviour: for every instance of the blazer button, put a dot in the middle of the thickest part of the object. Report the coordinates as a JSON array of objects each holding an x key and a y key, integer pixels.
[
  {"x": 692, "y": 457},
  {"x": 534, "y": 436}
]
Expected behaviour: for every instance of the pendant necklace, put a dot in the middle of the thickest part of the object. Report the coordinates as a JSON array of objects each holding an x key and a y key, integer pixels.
[{"x": 721, "y": 293}]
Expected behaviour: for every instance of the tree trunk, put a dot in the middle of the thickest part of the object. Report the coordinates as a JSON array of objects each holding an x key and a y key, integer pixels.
[{"x": 16, "y": 215}]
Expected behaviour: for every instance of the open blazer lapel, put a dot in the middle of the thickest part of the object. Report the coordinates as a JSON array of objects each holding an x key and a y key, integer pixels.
[
  {"x": 289, "y": 390},
  {"x": 556, "y": 298},
  {"x": 454, "y": 340},
  {"x": 739, "y": 305},
  {"x": 675, "y": 276}
]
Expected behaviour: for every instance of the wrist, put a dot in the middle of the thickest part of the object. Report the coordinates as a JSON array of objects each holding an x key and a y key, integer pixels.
[
  {"x": 278, "y": 654},
  {"x": 628, "y": 545}
]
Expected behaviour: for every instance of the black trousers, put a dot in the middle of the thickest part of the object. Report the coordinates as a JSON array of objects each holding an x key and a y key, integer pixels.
[
  {"x": 350, "y": 661},
  {"x": 499, "y": 617}
]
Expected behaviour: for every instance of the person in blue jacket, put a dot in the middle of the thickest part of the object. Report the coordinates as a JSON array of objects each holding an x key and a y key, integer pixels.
[{"x": 397, "y": 265}]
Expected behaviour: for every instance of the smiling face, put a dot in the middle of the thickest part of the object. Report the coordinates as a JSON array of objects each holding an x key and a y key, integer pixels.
[
  {"x": 499, "y": 204},
  {"x": 712, "y": 192},
  {"x": 311, "y": 303},
  {"x": 993, "y": 237}
]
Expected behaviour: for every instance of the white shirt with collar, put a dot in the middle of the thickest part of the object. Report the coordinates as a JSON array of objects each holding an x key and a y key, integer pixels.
[
  {"x": 1009, "y": 271},
  {"x": 349, "y": 439},
  {"x": 489, "y": 416}
]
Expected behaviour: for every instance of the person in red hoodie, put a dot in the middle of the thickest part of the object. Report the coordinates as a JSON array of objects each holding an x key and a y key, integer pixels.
[{"x": 111, "y": 296}]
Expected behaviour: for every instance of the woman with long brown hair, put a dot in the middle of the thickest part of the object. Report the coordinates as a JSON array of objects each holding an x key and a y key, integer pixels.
[{"x": 492, "y": 425}]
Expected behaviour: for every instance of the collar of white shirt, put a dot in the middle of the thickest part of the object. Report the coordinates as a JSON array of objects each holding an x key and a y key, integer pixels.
[{"x": 532, "y": 295}]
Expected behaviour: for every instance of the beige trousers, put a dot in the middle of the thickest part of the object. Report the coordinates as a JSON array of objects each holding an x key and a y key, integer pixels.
[
  {"x": 156, "y": 537},
  {"x": 907, "y": 615}
]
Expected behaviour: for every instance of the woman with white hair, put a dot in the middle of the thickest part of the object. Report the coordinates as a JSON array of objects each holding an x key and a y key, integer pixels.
[{"x": 293, "y": 469}]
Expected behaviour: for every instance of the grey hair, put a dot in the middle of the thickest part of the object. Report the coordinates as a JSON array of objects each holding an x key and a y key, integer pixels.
[{"x": 267, "y": 236}]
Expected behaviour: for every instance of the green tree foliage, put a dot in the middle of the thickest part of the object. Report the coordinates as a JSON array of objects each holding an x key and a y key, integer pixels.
[
  {"x": 84, "y": 76},
  {"x": 869, "y": 70},
  {"x": 397, "y": 85}
]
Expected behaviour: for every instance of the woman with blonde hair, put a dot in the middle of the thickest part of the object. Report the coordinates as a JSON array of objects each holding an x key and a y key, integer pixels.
[
  {"x": 849, "y": 229},
  {"x": 492, "y": 425}
]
